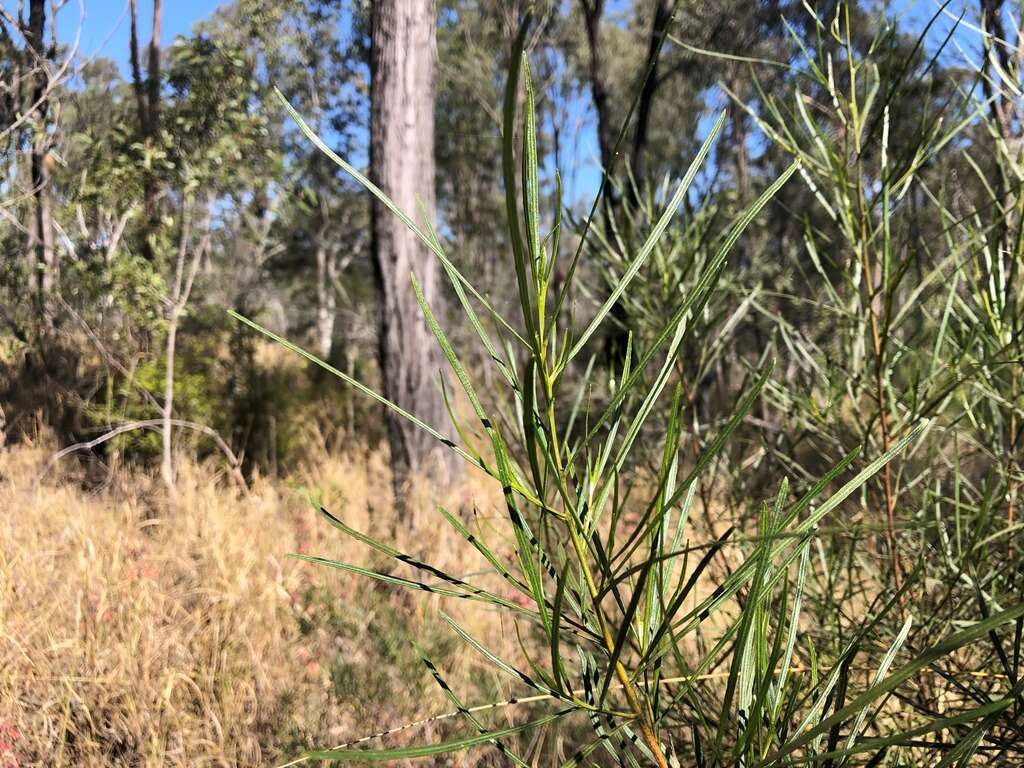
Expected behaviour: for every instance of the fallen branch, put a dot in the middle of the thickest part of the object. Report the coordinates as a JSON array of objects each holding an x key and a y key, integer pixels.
[{"x": 156, "y": 425}]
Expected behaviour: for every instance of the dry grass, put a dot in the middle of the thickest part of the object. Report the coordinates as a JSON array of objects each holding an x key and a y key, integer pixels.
[{"x": 134, "y": 634}]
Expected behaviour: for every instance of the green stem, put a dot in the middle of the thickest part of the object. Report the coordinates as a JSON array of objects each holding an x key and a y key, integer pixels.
[{"x": 640, "y": 709}]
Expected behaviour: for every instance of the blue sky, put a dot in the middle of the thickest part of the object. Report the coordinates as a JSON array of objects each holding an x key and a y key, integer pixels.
[
  {"x": 104, "y": 26},
  {"x": 104, "y": 23},
  {"x": 102, "y": 29}
]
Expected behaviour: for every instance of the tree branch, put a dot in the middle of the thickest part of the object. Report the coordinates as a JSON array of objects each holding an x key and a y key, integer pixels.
[{"x": 156, "y": 425}]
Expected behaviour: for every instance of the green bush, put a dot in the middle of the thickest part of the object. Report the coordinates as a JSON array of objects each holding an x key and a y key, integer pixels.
[{"x": 631, "y": 633}]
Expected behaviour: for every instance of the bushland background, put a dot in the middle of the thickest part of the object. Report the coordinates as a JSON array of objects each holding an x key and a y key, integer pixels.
[{"x": 159, "y": 457}]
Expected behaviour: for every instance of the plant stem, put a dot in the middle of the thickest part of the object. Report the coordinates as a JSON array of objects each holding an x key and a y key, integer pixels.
[{"x": 639, "y": 709}]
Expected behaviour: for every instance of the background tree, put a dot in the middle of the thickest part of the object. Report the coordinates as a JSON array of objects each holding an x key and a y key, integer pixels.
[
  {"x": 402, "y": 165},
  {"x": 39, "y": 60},
  {"x": 147, "y": 98}
]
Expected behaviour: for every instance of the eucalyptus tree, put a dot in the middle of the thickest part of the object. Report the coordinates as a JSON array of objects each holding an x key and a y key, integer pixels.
[
  {"x": 402, "y": 63},
  {"x": 33, "y": 74},
  {"x": 147, "y": 85}
]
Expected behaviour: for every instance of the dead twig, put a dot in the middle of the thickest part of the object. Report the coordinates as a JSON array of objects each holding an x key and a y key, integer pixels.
[{"x": 155, "y": 425}]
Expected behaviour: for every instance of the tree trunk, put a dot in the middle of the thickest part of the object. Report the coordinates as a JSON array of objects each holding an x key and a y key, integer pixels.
[
  {"x": 741, "y": 159},
  {"x": 153, "y": 73},
  {"x": 593, "y": 10},
  {"x": 403, "y": 35},
  {"x": 181, "y": 289},
  {"x": 167, "y": 446},
  {"x": 147, "y": 98},
  {"x": 659, "y": 27},
  {"x": 326, "y": 271},
  {"x": 41, "y": 239},
  {"x": 136, "y": 64}
]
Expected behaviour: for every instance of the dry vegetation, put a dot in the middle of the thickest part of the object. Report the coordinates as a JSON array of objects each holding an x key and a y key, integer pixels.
[{"x": 135, "y": 634}]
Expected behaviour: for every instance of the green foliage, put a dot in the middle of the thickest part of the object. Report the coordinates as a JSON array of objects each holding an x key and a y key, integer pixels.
[
  {"x": 623, "y": 638},
  {"x": 217, "y": 131},
  {"x": 713, "y": 557}
]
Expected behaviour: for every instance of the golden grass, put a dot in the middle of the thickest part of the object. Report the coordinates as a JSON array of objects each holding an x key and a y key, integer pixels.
[
  {"x": 136, "y": 634},
  {"x": 133, "y": 633}
]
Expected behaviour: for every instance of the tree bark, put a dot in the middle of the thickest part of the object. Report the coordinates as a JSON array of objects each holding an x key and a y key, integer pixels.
[
  {"x": 659, "y": 27},
  {"x": 593, "y": 10},
  {"x": 177, "y": 301},
  {"x": 153, "y": 73},
  {"x": 41, "y": 238},
  {"x": 738, "y": 130},
  {"x": 326, "y": 303},
  {"x": 166, "y": 442},
  {"x": 147, "y": 99},
  {"x": 136, "y": 64},
  {"x": 403, "y": 48}
]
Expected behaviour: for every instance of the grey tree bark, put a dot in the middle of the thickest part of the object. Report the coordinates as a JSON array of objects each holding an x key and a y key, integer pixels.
[
  {"x": 403, "y": 49},
  {"x": 186, "y": 267},
  {"x": 326, "y": 302},
  {"x": 41, "y": 235},
  {"x": 147, "y": 99}
]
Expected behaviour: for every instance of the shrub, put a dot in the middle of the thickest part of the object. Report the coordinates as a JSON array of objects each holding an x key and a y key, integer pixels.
[{"x": 626, "y": 632}]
